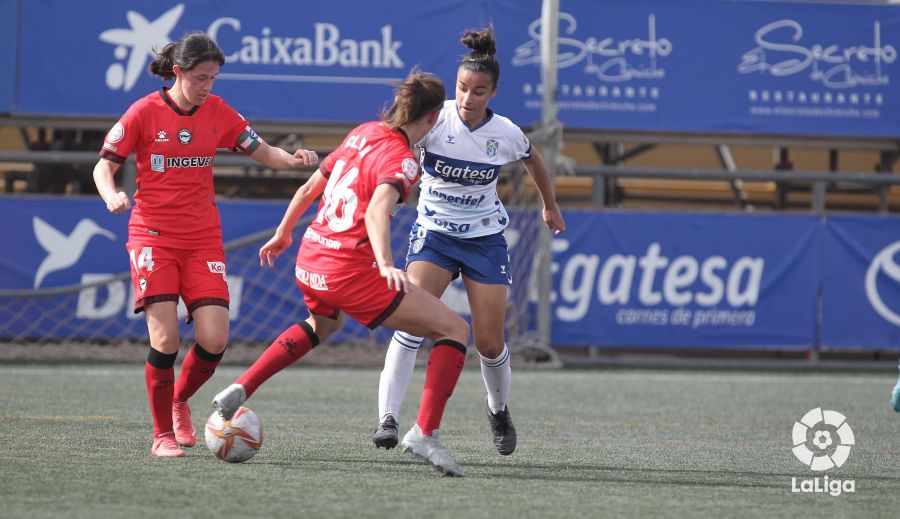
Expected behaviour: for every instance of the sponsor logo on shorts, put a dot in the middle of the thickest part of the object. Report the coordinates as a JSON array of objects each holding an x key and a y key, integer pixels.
[
  {"x": 216, "y": 267},
  {"x": 313, "y": 280},
  {"x": 417, "y": 245}
]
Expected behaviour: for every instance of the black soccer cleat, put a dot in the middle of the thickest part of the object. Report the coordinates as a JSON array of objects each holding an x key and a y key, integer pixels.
[
  {"x": 386, "y": 434},
  {"x": 503, "y": 429}
]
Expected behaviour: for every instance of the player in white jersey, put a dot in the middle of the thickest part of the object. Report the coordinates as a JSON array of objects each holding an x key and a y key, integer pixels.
[{"x": 459, "y": 231}]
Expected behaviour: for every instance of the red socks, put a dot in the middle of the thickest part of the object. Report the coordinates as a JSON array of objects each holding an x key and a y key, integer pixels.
[
  {"x": 196, "y": 369},
  {"x": 159, "y": 374},
  {"x": 444, "y": 366},
  {"x": 292, "y": 344}
]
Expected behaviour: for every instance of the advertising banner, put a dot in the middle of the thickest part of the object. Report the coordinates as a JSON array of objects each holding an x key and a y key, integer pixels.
[
  {"x": 284, "y": 61},
  {"x": 686, "y": 280},
  {"x": 861, "y": 283},
  {"x": 710, "y": 66}
]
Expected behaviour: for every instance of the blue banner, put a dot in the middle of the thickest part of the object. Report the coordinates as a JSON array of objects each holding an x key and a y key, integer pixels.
[
  {"x": 288, "y": 61},
  {"x": 686, "y": 280},
  {"x": 760, "y": 67},
  {"x": 9, "y": 24},
  {"x": 54, "y": 242},
  {"x": 619, "y": 279},
  {"x": 861, "y": 283},
  {"x": 764, "y": 67}
]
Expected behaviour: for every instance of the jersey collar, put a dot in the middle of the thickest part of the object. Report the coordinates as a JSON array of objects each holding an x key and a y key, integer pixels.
[
  {"x": 490, "y": 113},
  {"x": 164, "y": 94}
]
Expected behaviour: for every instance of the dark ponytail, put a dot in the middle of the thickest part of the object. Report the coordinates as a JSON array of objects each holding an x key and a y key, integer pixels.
[
  {"x": 481, "y": 59},
  {"x": 419, "y": 94},
  {"x": 188, "y": 52}
]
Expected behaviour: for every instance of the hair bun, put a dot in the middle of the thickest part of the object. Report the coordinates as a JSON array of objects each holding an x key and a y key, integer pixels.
[{"x": 482, "y": 42}]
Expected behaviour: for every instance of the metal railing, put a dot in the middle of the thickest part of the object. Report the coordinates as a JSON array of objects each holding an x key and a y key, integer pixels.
[{"x": 879, "y": 182}]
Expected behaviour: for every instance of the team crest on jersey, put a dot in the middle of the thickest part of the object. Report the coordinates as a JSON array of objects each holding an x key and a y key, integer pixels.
[
  {"x": 410, "y": 168},
  {"x": 492, "y": 147},
  {"x": 184, "y": 136}
]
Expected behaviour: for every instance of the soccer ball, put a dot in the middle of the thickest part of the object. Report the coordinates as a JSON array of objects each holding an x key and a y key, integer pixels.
[{"x": 235, "y": 440}]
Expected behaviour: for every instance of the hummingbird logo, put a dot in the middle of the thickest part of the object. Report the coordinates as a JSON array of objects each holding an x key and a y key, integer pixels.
[
  {"x": 63, "y": 251},
  {"x": 136, "y": 45}
]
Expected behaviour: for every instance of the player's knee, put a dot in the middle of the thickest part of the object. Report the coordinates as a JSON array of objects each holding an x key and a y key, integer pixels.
[
  {"x": 457, "y": 329},
  {"x": 490, "y": 349},
  {"x": 324, "y": 327},
  {"x": 164, "y": 341},
  {"x": 213, "y": 342}
]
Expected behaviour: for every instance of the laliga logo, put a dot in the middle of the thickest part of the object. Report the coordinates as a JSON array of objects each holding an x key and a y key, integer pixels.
[
  {"x": 822, "y": 441},
  {"x": 883, "y": 261},
  {"x": 141, "y": 38}
]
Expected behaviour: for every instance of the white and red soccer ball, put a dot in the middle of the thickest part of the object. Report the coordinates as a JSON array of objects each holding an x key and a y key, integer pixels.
[{"x": 235, "y": 440}]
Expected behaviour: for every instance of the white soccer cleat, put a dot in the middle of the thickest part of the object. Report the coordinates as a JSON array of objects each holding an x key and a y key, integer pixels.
[
  {"x": 229, "y": 400},
  {"x": 429, "y": 449}
]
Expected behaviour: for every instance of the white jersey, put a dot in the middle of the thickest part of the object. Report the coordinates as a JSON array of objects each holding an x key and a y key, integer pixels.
[{"x": 460, "y": 169}]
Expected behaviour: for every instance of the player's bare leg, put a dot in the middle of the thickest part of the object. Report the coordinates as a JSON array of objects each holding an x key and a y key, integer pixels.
[{"x": 488, "y": 304}]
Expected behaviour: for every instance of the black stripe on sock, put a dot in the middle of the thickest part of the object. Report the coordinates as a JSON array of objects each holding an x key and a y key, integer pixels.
[
  {"x": 207, "y": 356},
  {"x": 160, "y": 360},
  {"x": 453, "y": 344},
  {"x": 309, "y": 331}
]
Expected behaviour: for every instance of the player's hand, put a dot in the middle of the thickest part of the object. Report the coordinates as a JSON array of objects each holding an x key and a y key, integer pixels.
[
  {"x": 303, "y": 157},
  {"x": 273, "y": 248},
  {"x": 554, "y": 220},
  {"x": 118, "y": 203},
  {"x": 396, "y": 278}
]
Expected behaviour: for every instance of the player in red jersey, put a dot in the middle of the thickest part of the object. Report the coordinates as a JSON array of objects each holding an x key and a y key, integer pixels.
[
  {"x": 174, "y": 234},
  {"x": 345, "y": 265}
]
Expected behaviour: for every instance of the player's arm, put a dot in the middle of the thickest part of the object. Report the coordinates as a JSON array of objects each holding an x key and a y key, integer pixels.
[
  {"x": 305, "y": 195},
  {"x": 276, "y": 158},
  {"x": 378, "y": 227},
  {"x": 536, "y": 168},
  {"x": 116, "y": 201}
]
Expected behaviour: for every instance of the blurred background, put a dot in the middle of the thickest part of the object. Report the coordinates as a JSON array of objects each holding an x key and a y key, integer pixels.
[{"x": 726, "y": 168}]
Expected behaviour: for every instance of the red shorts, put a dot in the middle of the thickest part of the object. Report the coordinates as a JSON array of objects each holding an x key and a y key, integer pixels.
[
  {"x": 360, "y": 293},
  {"x": 164, "y": 273}
]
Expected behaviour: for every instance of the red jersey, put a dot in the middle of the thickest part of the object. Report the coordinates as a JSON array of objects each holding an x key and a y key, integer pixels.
[
  {"x": 371, "y": 155},
  {"x": 174, "y": 205}
]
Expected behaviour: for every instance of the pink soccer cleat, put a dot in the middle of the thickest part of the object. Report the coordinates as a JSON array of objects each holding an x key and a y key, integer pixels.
[
  {"x": 184, "y": 427},
  {"x": 165, "y": 446}
]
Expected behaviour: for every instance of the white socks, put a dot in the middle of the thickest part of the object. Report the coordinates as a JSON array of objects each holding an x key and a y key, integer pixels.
[
  {"x": 399, "y": 362},
  {"x": 497, "y": 376}
]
